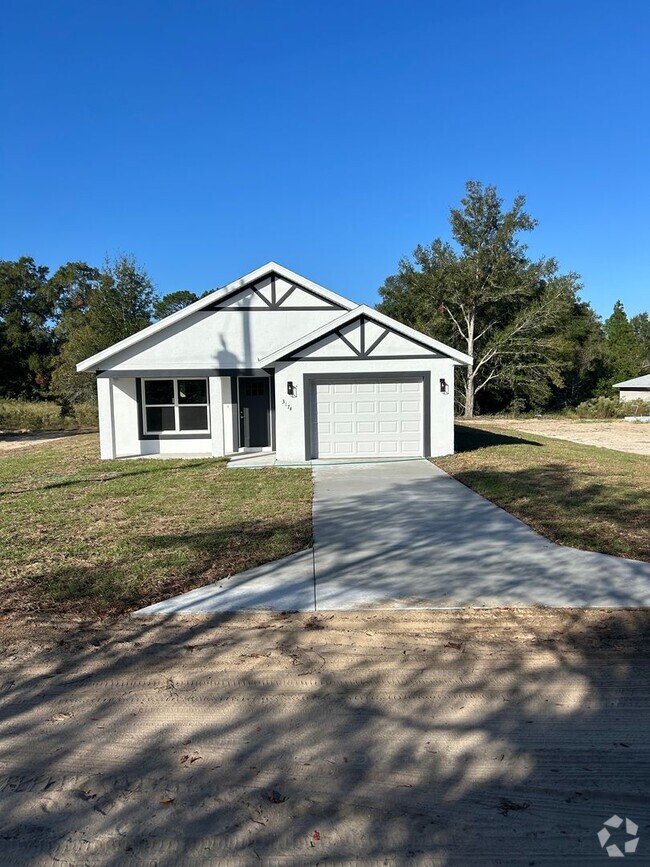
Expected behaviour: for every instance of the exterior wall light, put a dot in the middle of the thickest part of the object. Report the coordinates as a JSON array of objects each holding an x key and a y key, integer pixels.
[
  {"x": 444, "y": 388},
  {"x": 291, "y": 389}
]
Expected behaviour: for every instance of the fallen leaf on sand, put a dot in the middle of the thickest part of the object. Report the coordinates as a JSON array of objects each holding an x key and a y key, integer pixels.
[{"x": 189, "y": 759}]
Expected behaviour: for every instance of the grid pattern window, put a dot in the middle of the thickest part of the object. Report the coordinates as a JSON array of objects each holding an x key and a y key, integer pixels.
[{"x": 175, "y": 406}]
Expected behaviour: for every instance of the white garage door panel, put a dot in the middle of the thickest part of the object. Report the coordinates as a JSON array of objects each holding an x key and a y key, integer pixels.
[{"x": 367, "y": 419}]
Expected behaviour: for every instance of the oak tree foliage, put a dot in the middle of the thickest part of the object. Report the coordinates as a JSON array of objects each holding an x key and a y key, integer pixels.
[{"x": 482, "y": 293}]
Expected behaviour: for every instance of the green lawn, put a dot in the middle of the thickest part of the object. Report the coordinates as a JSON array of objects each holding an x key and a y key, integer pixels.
[
  {"x": 587, "y": 497},
  {"x": 82, "y": 535}
]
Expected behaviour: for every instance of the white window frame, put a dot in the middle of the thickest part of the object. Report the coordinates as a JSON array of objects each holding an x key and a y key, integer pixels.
[{"x": 176, "y": 406}]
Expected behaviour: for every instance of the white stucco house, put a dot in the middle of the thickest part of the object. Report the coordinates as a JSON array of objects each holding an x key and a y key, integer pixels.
[
  {"x": 275, "y": 362},
  {"x": 634, "y": 389}
]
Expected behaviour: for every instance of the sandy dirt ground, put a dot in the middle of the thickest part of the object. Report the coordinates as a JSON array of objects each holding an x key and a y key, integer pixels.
[
  {"x": 12, "y": 442},
  {"x": 622, "y": 436},
  {"x": 432, "y": 738}
]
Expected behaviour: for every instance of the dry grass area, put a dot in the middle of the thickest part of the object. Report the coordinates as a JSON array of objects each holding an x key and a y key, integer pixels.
[
  {"x": 622, "y": 436},
  {"x": 80, "y": 534},
  {"x": 428, "y": 738},
  {"x": 591, "y": 498}
]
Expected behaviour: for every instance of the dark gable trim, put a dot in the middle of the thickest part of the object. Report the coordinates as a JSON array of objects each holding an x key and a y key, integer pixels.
[
  {"x": 189, "y": 374},
  {"x": 366, "y": 358},
  {"x": 244, "y": 371},
  {"x": 159, "y": 374},
  {"x": 364, "y": 352},
  {"x": 275, "y": 303},
  {"x": 289, "y": 291},
  {"x": 374, "y": 345},
  {"x": 342, "y": 337},
  {"x": 303, "y": 308}
]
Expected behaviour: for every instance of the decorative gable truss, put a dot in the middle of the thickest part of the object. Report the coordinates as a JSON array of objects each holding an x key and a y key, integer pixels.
[
  {"x": 363, "y": 338},
  {"x": 274, "y": 292}
]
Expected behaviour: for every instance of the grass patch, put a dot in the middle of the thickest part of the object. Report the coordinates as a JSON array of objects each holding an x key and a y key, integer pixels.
[
  {"x": 609, "y": 408},
  {"x": 83, "y": 535},
  {"x": 591, "y": 498},
  {"x": 43, "y": 415}
]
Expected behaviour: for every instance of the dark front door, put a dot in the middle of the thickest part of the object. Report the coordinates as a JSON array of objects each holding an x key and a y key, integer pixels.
[{"x": 254, "y": 411}]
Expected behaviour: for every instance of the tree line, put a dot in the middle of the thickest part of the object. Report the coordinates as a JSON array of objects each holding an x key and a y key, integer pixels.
[
  {"x": 50, "y": 322},
  {"x": 536, "y": 345}
]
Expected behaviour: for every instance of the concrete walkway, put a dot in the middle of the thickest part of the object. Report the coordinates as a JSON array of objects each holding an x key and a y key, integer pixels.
[
  {"x": 406, "y": 534},
  {"x": 251, "y": 460}
]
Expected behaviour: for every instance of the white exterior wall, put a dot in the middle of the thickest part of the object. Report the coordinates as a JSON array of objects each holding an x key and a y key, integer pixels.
[
  {"x": 215, "y": 396},
  {"x": 119, "y": 425},
  {"x": 125, "y": 417},
  {"x": 234, "y": 340},
  {"x": 223, "y": 339},
  {"x": 105, "y": 413},
  {"x": 628, "y": 394},
  {"x": 228, "y": 414},
  {"x": 176, "y": 446},
  {"x": 290, "y": 412}
]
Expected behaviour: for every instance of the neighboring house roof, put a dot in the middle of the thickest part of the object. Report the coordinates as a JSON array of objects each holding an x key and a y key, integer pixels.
[
  {"x": 219, "y": 295},
  {"x": 639, "y": 382},
  {"x": 374, "y": 315}
]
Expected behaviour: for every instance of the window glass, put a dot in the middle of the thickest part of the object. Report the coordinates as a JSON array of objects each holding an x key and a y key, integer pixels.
[
  {"x": 174, "y": 406},
  {"x": 160, "y": 418},
  {"x": 192, "y": 391},
  {"x": 193, "y": 417},
  {"x": 159, "y": 391}
]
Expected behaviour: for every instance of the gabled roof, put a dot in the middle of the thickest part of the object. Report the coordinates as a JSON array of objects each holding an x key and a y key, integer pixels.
[
  {"x": 375, "y": 316},
  {"x": 208, "y": 301},
  {"x": 639, "y": 382}
]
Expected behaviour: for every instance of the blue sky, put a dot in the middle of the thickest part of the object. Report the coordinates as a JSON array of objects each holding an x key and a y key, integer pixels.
[{"x": 209, "y": 137}]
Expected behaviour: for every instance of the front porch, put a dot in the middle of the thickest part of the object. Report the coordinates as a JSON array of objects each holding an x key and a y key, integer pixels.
[{"x": 186, "y": 413}]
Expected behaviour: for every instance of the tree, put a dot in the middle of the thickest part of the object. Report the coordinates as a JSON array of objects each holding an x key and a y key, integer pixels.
[
  {"x": 172, "y": 303},
  {"x": 584, "y": 357},
  {"x": 641, "y": 327},
  {"x": 73, "y": 285},
  {"x": 624, "y": 352},
  {"x": 26, "y": 305},
  {"x": 484, "y": 295},
  {"x": 107, "y": 309}
]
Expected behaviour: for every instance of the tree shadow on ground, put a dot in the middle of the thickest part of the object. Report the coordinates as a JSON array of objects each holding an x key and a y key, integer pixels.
[
  {"x": 469, "y": 439},
  {"x": 37, "y": 436},
  {"x": 571, "y": 505},
  {"x": 431, "y": 738},
  {"x": 145, "y": 468},
  {"x": 124, "y": 581}
]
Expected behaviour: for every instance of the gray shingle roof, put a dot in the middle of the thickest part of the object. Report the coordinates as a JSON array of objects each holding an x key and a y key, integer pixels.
[{"x": 639, "y": 382}]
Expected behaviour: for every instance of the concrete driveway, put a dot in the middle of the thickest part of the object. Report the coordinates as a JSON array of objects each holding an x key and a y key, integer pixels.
[{"x": 405, "y": 534}]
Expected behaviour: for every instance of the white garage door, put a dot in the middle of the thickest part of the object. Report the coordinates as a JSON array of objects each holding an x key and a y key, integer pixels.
[{"x": 367, "y": 419}]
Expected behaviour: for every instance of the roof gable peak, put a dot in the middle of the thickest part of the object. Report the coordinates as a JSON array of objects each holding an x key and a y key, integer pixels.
[
  {"x": 370, "y": 342},
  {"x": 212, "y": 301}
]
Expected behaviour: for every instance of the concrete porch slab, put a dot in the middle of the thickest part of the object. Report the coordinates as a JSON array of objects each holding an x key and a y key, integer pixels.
[{"x": 251, "y": 460}]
